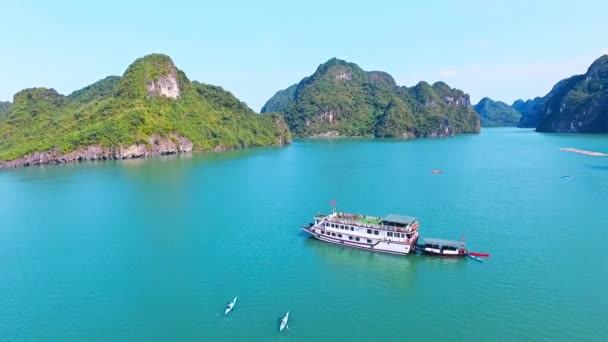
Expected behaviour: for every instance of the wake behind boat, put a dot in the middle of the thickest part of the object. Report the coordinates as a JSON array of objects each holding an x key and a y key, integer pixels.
[
  {"x": 284, "y": 322},
  {"x": 230, "y": 305}
]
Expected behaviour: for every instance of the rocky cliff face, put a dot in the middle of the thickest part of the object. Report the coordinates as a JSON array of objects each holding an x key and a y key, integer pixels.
[
  {"x": 578, "y": 104},
  {"x": 156, "y": 146},
  {"x": 340, "y": 99},
  {"x": 530, "y": 111},
  {"x": 164, "y": 85}
]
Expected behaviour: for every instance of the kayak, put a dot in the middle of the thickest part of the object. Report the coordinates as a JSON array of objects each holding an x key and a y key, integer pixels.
[
  {"x": 284, "y": 321},
  {"x": 474, "y": 257},
  {"x": 230, "y": 306}
]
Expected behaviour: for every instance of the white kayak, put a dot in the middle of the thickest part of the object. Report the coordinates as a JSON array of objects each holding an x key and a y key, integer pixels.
[
  {"x": 475, "y": 258},
  {"x": 284, "y": 321},
  {"x": 230, "y": 306}
]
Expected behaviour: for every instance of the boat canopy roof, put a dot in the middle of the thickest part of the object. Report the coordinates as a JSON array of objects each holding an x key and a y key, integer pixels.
[
  {"x": 442, "y": 242},
  {"x": 401, "y": 219}
]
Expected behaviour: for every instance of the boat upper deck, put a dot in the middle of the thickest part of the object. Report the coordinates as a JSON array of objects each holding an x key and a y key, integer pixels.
[{"x": 390, "y": 222}]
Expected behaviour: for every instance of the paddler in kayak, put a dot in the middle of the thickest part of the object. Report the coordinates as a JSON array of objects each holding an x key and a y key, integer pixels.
[
  {"x": 230, "y": 306},
  {"x": 284, "y": 322}
]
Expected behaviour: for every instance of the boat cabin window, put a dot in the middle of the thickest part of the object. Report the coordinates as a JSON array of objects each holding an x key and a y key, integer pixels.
[
  {"x": 369, "y": 231},
  {"x": 352, "y": 229},
  {"x": 326, "y": 224},
  {"x": 339, "y": 235},
  {"x": 390, "y": 234},
  {"x": 408, "y": 235},
  {"x": 356, "y": 239},
  {"x": 369, "y": 241},
  {"x": 376, "y": 232},
  {"x": 449, "y": 248},
  {"x": 314, "y": 230},
  {"x": 350, "y": 237}
]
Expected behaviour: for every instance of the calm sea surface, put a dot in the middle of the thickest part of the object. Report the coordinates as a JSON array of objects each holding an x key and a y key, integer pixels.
[{"x": 152, "y": 250}]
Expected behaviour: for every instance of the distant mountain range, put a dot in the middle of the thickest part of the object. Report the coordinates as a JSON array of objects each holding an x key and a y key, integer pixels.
[
  {"x": 578, "y": 104},
  {"x": 496, "y": 113},
  {"x": 341, "y": 99},
  {"x": 152, "y": 109}
]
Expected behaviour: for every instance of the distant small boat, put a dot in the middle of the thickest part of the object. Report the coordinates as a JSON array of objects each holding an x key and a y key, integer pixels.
[
  {"x": 437, "y": 172},
  {"x": 284, "y": 321},
  {"x": 567, "y": 177},
  {"x": 230, "y": 306}
]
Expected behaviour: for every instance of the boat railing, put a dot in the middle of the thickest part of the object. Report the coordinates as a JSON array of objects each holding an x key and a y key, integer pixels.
[{"x": 353, "y": 222}]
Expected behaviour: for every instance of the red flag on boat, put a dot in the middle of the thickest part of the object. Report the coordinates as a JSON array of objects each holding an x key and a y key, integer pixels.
[{"x": 333, "y": 202}]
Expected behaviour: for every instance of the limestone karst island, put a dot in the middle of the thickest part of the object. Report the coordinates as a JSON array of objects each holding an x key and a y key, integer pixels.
[{"x": 295, "y": 171}]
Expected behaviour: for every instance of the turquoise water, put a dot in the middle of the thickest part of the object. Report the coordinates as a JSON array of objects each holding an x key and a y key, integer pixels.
[{"x": 154, "y": 249}]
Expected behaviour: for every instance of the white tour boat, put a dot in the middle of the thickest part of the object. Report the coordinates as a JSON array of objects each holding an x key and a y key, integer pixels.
[{"x": 394, "y": 234}]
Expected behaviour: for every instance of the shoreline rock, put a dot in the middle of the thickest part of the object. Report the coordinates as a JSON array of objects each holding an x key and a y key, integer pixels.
[
  {"x": 156, "y": 146},
  {"x": 326, "y": 135}
]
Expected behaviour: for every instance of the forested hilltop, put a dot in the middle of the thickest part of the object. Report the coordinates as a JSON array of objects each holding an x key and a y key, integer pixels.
[
  {"x": 151, "y": 109},
  {"x": 496, "y": 113},
  {"x": 341, "y": 99}
]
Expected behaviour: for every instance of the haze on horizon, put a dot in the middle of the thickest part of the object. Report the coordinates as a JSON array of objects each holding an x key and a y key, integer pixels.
[{"x": 507, "y": 50}]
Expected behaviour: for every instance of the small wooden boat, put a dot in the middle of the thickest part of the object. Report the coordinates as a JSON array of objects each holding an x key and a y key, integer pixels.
[{"x": 443, "y": 248}]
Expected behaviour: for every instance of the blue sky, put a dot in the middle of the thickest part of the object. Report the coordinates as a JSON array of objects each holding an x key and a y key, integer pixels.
[{"x": 501, "y": 49}]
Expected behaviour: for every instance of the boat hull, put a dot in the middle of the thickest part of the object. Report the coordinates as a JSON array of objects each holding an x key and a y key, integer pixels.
[
  {"x": 382, "y": 246},
  {"x": 425, "y": 251}
]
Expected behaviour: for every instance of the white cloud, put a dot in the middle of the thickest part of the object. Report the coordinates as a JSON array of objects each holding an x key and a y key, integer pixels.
[{"x": 447, "y": 73}]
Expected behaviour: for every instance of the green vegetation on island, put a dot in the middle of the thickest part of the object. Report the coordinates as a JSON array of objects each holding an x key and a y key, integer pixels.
[
  {"x": 152, "y": 99},
  {"x": 496, "y": 113},
  {"x": 578, "y": 104},
  {"x": 342, "y": 99}
]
